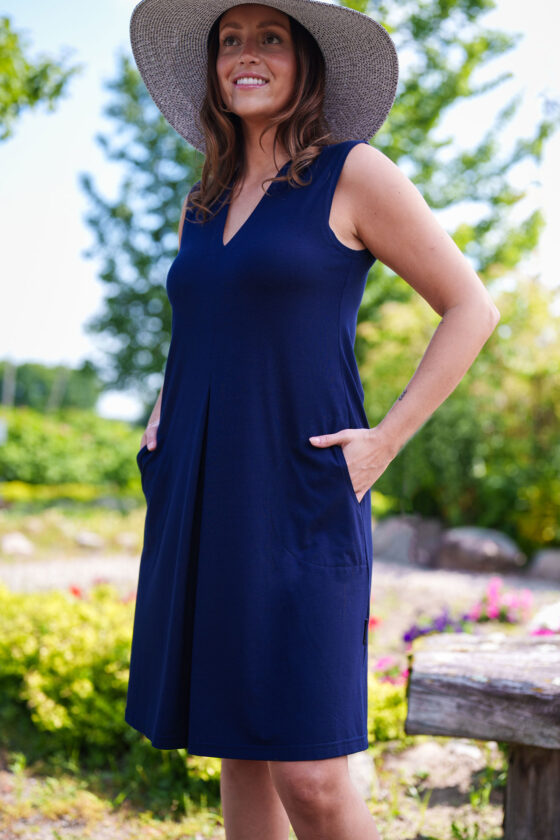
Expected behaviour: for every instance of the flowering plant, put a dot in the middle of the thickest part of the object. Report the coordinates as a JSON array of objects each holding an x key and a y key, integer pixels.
[
  {"x": 495, "y": 605},
  {"x": 388, "y": 670},
  {"x": 440, "y": 624}
]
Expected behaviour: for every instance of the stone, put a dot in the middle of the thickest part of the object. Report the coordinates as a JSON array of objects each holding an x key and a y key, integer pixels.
[
  {"x": 407, "y": 539},
  {"x": 479, "y": 550},
  {"x": 88, "y": 539},
  {"x": 17, "y": 543},
  {"x": 428, "y": 533},
  {"x": 393, "y": 539},
  {"x": 546, "y": 564}
]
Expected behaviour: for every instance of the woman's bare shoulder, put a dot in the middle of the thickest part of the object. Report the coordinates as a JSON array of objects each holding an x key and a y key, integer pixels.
[{"x": 393, "y": 220}]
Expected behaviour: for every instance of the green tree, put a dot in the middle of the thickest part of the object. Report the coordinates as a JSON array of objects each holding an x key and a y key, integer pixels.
[
  {"x": 48, "y": 389},
  {"x": 25, "y": 83},
  {"x": 136, "y": 234}
]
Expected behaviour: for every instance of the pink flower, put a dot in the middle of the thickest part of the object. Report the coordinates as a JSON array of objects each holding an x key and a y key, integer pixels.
[
  {"x": 509, "y": 599},
  {"x": 543, "y": 631},
  {"x": 373, "y": 622},
  {"x": 493, "y": 611},
  {"x": 75, "y": 590},
  {"x": 384, "y": 662},
  {"x": 526, "y": 603},
  {"x": 475, "y": 612},
  {"x": 526, "y": 597},
  {"x": 400, "y": 679},
  {"x": 493, "y": 589}
]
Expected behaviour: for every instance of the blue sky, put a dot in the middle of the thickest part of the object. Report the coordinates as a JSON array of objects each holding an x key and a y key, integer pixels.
[{"x": 51, "y": 289}]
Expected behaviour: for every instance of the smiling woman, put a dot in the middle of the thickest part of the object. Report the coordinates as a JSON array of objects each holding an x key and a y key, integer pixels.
[{"x": 250, "y": 630}]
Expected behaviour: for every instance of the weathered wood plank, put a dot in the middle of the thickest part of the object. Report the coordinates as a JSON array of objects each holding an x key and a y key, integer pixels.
[
  {"x": 489, "y": 687},
  {"x": 532, "y": 795}
]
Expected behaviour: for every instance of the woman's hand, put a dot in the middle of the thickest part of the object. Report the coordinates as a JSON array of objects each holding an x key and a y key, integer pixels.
[
  {"x": 367, "y": 452},
  {"x": 150, "y": 435}
]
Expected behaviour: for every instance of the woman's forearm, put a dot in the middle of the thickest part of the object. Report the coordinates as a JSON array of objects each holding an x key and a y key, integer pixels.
[
  {"x": 455, "y": 344},
  {"x": 156, "y": 410}
]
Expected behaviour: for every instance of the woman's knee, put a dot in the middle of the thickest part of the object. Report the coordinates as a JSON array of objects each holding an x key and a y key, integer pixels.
[{"x": 309, "y": 784}]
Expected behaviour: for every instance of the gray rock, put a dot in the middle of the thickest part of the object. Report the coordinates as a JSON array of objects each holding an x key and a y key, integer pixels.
[
  {"x": 479, "y": 550},
  {"x": 393, "y": 539},
  {"x": 88, "y": 539},
  {"x": 546, "y": 564},
  {"x": 408, "y": 539},
  {"x": 18, "y": 544},
  {"x": 428, "y": 533}
]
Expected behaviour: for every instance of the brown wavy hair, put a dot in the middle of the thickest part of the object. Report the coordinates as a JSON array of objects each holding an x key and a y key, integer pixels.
[{"x": 300, "y": 126}]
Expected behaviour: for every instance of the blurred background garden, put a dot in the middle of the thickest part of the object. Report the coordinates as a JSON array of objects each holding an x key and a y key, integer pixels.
[{"x": 93, "y": 180}]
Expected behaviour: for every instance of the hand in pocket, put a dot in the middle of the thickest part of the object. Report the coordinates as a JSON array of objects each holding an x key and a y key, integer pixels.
[{"x": 366, "y": 454}]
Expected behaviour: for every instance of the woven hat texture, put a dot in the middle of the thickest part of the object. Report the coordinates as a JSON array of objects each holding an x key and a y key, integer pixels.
[{"x": 169, "y": 44}]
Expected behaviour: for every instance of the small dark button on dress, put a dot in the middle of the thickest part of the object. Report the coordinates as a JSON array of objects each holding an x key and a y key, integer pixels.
[{"x": 249, "y": 637}]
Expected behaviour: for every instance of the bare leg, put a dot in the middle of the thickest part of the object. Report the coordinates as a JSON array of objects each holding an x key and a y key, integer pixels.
[
  {"x": 251, "y": 806},
  {"x": 321, "y": 801}
]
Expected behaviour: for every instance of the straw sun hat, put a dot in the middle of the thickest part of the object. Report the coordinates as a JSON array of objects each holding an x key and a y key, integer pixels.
[{"x": 169, "y": 44}]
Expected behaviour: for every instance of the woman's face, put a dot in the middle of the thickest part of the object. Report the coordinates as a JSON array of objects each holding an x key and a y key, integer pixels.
[{"x": 255, "y": 40}]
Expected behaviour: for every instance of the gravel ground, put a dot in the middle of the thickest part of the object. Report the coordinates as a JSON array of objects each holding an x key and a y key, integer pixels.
[{"x": 27, "y": 575}]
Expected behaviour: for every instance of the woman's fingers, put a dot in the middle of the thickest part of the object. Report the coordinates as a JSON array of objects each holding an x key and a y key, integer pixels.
[{"x": 150, "y": 435}]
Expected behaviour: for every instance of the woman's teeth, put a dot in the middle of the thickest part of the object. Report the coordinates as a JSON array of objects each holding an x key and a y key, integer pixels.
[{"x": 250, "y": 80}]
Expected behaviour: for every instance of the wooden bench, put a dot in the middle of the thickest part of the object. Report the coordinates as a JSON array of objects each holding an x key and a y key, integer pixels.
[{"x": 497, "y": 687}]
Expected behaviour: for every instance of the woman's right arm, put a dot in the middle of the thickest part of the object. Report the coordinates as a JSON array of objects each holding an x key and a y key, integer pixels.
[{"x": 150, "y": 434}]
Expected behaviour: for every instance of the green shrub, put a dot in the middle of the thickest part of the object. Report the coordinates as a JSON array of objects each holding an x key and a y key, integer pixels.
[
  {"x": 64, "y": 667},
  {"x": 70, "y": 446},
  {"x": 64, "y": 660},
  {"x": 386, "y": 710}
]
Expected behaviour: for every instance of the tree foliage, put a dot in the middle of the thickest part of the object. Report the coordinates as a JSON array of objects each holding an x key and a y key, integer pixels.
[
  {"x": 25, "y": 83},
  {"x": 489, "y": 455},
  {"x": 49, "y": 388}
]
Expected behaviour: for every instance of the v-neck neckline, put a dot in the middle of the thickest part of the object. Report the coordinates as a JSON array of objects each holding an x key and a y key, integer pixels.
[{"x": 250, "y": 216}]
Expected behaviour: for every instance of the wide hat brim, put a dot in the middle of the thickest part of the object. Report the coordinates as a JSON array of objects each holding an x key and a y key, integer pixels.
[{"x": 169, "y": 44}]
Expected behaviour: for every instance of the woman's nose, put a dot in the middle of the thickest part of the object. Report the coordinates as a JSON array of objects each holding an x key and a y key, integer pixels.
[{"x": 249, "y": 47}]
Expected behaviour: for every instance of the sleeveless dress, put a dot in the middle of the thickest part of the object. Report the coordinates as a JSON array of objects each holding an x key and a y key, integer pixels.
[{"x": 250, "y": 625}]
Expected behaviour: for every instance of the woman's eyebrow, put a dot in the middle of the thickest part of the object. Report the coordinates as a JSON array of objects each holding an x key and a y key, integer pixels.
[{"x": 259, "y": 25}]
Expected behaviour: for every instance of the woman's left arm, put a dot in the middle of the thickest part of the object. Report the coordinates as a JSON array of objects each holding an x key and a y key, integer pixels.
[{"x": 394, "y": 222}]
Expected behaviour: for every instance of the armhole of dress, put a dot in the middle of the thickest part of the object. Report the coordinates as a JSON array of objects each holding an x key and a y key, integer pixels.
[
  {"x": 187, "y": 212},
  {"x": 334, "y": 171}
]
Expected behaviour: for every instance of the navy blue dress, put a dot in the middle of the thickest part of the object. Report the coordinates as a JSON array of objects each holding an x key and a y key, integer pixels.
[{"x": 250, "y": 624}]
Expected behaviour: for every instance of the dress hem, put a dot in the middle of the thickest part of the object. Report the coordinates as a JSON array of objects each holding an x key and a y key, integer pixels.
[{"x": 265, "y": 752}]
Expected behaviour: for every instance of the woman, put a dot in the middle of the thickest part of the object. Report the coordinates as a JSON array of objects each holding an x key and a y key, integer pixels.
[{"x": 250, "y": 630}]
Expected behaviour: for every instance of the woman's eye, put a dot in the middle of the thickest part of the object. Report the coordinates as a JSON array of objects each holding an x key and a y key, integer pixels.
[{"x": 229, "y": 37}]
